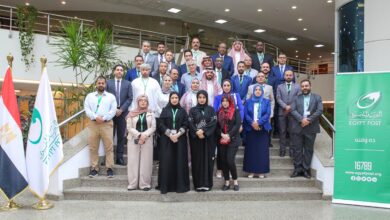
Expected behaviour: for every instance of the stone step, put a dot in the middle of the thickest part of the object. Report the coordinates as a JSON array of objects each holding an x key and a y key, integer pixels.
[
  {"x": 245, "y": 194},
  {"x": 270, "y": 181},
  {"x": 122, "y": 170}
]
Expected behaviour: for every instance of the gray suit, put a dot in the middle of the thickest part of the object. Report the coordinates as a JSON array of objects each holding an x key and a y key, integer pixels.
[
  {"x": 268, "y": 93},
  {"x": 124, "y": 101},
  {"x": 151, "y": 60},
  {"x": 303, "y": 138},
  {"x": 285, "y": 98}
]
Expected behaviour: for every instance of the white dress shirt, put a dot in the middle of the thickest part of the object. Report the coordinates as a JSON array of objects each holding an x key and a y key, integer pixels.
[
  {"x": 149, "y": 87},
  {"x": 106, "y": 108}
]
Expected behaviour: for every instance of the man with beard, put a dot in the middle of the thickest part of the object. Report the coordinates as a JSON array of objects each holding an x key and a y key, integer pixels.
[
  {"x": 220, "y": 73},
  {"x": 148, "y": 57},
  {"x": 226, "y": 59},
  {"x": 285, "y": 95},
  {"x": 260, "y": 57},
  {"x": 100, "y": 106},
  {"x": 162, "y": 70},
  {"x": 210, "y": 84},
  {"x": 135, "y": 72},
  {"x": 306, "y": 111},
  {"x": 241, "y": 82}
]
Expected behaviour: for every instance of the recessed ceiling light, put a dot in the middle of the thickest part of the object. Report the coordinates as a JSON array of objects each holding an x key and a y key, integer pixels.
[
  {"x": 259, "y": 10},
  {"x": 329, "y": 1},
  {"x": 259, "y": 30},
  {"x": 308, "y": 54},
  {"x": 300, "y": 19},
  {"x": 320, "y": 57},
  {"x": 296, "y": 51},
  {"x": 333, "y": 53},
  {"x": 293, "y": 7},
  {"x": 17, "y": 90},
  {"x": 174, "y": 10},
  {"x": 319, "y": 45},
  {"x": 63, "y": 2},
  {"x": 27, "y": 4},
  {"x": 220, "y": 21},
  {"x": 304, "y": 29},
  {"x": 292, "y": 38},
  {"x": 227, "y": 10},
  {"x": 296, "y": 56}
]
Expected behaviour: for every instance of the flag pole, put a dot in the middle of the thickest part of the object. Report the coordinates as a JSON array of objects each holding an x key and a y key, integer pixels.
[
  {"x": 11, "y": 204},
  {"x": 43, "y": 204}
]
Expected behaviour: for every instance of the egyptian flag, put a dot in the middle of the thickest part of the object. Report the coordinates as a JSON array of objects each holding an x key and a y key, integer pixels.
[{"x": 13, "y": 175}]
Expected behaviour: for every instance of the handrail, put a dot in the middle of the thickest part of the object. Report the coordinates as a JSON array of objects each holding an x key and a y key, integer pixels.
[
  {"x": 66, "y": 121},
  {"x": 329, "y": 124}
]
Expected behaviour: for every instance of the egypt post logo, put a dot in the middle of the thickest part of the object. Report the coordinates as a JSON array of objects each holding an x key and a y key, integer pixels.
[{"x": 368, "y": 100}]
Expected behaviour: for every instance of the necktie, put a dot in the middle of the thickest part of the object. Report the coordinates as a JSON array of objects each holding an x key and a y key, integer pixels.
[
  {"x": 117, "y": 95},
  {"x": 219, "y": 76},
  {"x": 288, "y": 87},
  {"x": 161, "y": 58},
  {"x": 240, "y": 79}
]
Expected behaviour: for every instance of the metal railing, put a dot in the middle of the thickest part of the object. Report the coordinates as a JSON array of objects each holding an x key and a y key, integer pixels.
[
  {"x": 331, "y": 127},
  {"x": 50, "y": 25},
  {"x": 66, "y": 121}
]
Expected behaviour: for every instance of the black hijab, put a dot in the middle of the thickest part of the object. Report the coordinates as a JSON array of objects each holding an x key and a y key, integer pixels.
[
  {"x": 167, "y": 109},
  {"x": 199, "y": 106},
  {"x": 231, "y": 87}
]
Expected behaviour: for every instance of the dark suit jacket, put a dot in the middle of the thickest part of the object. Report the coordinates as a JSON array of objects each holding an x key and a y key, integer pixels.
[
  {"x": 275, "y": 77},
  {"x": 284, "y": 98},
  {"x": 126, "y": 93},
  {"x": 242, "y": 89},
  {"x": 131, "y": 74},
  {"x": 227, "y": 63},
  {"x": 225, "y": 75},
  {"x": 182, "y": 88},
  {"x": 157, "y": 77},
  {"x": 315, "y": 108},
  {"x": 256, "y": 63}
]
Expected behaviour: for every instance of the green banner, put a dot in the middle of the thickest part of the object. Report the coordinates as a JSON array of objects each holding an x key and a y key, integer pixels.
[{"x": 362, "y": 147}]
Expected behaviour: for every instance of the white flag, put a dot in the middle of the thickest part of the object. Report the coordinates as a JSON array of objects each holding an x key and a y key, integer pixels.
[{"x": 44, "y": 146}]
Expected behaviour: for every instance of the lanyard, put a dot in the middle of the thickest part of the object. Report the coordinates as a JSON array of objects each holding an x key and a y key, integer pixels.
[
  {"x": 98, "y": 104},
  {"x": 141, "y": 118},
  {"x": 145, "y": 84},
  {"x": 174, "y": 118}
]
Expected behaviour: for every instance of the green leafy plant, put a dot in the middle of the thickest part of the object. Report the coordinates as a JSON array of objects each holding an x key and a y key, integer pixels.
[{"x": 26, "y": 18}]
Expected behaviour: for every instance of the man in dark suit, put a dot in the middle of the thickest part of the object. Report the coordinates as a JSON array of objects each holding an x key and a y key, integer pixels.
[
  {"x": 123, "y": 93},
  {"x": 134, "y": 73},
  {"x": 285, "y": 95},
  {"x": 260, "y": 57},
  {"x": 227, "y": 60},
  {"x": 177, "y": 86},
  {"x": 241, "y": 82},
  {"x": 275, "y": 78},
  {"x": 162, "y": 70},
  {"x": 306, "y": 111},
  {"x": 170, "y": 61},
  {"x": 149, "y": 58},
  {"x": 220, "y": 72},
  {"x": 184, "y": 67}
]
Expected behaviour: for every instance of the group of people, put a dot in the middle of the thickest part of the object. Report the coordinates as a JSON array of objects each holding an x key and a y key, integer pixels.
[{"x": 196, "y": 114}]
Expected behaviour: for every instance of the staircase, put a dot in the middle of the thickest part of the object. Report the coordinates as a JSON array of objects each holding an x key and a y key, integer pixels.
[{"x": 277, "y": 186}]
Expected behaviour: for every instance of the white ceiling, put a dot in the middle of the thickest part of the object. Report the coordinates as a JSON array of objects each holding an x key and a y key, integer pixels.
[{"x": 277, "y": 17}]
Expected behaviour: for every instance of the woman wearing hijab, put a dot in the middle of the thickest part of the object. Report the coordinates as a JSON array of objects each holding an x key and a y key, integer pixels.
[
  {"x": 141, "y": 125},
  {"x": 227, "y": 90},
  {"x": 228, "y": 131},
  {"x": 173, "y": 173},
  {"x": 189, "y": 98},
  {"x": 166, "y": 90},
  {"x": 202, "y": 124},
  {"x": 256, "y": 125}
]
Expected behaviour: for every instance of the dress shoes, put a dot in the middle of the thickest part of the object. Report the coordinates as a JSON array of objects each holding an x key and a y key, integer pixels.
[
  {"x": 306, "y": 174},
  {"x": 236, "y": 187},
  {"x": 120, "y": 162},
  {"x": 282, "y": 153},
  {"x": 225, "y": 187},
  {"x": 146, "y": 189},
  {"x": 295, "y": 174}
]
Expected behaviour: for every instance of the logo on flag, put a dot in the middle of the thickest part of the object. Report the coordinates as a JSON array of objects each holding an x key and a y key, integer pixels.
[{"x": 44, "y": 146}]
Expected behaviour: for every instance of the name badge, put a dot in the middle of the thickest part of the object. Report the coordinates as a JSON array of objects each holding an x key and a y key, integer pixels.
[{"x": 173, "y": 131}]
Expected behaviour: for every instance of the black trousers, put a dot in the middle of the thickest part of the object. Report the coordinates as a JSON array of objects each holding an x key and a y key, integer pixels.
[
  {"x": 219, "y": 158},
  {"x": 303, "y": 145},
  {"x": 120, "y": 130},
  {"x": 275, "y": 121},
  {"x": 228, "y": 157}
]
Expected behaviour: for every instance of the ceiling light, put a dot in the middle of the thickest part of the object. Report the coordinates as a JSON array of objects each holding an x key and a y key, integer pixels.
[
  {"x": 300, "y": 19},
  {"x": 259, "y": 30},
  {"x": 308, "y": 54},
  {"x": 319, "y": 45},
  {"x": 220, "y": 21},
  {"x": 292, "y": 38},
  {"x": 17, "y": 90},
  {"x": 27, "y": 4},
  {"x": 174, "y": 10},
  {"x": 304, "y": 29},
  {"x": 259, "y": 10},
  {"x": 63, "y": 2},
  {"x": 333, "y": 53},
  {"x": 227, "y": 10},
  {"x": 329, "y": 1},
  {"x": 293, "y": 7},
  {"x": 320, "y": 57},
  {"x": 296, "y": 56},
  {"x": 296, "y": 51}
]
